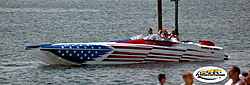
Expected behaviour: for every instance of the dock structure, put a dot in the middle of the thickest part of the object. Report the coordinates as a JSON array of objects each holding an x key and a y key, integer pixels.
[{"x": 159, "y": 6}]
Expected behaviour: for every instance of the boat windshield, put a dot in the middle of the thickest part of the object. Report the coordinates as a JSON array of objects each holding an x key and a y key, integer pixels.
[
  {"x": 137, "y": 37},
  {"x": 151, "y": 37}
]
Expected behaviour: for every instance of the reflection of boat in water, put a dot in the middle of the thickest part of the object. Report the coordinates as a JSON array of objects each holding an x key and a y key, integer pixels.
[{"x": 137, "y": 49}]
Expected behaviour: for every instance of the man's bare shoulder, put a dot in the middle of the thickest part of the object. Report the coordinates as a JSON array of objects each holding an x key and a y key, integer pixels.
[{"x": 242, "y": 83}]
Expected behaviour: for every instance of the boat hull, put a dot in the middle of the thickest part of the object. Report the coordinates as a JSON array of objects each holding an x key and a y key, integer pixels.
[{"x": 138, "y": 51}]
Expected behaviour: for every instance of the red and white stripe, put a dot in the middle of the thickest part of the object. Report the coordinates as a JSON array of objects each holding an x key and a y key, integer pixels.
[
  {"x": 165, "y": 54},
  {"x": 129, "y": 53},
  {"x": 202, "y": 55},
  {"x": 138, "y": 53}
]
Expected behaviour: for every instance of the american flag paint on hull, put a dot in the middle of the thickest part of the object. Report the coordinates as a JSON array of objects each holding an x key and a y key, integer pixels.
[{"x": 124, "y": 52}]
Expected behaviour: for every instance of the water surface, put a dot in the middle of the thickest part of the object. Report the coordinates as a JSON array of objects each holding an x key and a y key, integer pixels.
[{"x": 29, "y": 22}]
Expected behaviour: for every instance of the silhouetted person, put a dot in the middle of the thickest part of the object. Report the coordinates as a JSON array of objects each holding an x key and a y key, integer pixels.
[
  {"x": 162, "y": 79},
  {"x": 166, "y": 34},
  {"x": 151, "y": 36},
  {"x": 150, "y": 31},
  {"x": 174, "y": 38},
  {"x": 247, "y": 79},
  {"x": 188, "y": 78},
  {"x": 234, "y": 75}
]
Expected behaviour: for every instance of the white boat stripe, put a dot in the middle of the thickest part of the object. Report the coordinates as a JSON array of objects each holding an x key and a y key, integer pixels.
[
  {"x": 167, "y": 51},
  {"x": 162, "y": 59},
  {"x": 132, "y": 50},
  {"x": 165, "y": 56},
  {"x": 109, "y": 62},
  {"x": 190, "y": 59},
  {"x": 201, "y": 57},
  {"x": 127, "y": 58},
  {"x": 129, "y": 55}
]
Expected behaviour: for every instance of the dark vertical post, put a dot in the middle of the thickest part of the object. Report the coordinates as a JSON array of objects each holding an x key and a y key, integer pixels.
[
  {"x": 159, "y": 15},
  {"x": 176, "y": 17}
]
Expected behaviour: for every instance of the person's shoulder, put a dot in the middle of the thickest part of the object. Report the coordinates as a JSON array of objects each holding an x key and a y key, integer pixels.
[
  {"x": 229, "y": 82},
  {"x": 183, "y": 83},
  {"x": 158, "y": 83},
  {"x": 241, "y": 77},
  {"x": 242, "y": 83}
]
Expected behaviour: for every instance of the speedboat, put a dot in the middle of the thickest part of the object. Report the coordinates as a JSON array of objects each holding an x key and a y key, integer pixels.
[{"x": 137, "y": 49}]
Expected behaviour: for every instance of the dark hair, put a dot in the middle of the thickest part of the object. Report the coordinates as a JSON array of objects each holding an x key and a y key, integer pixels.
[
  {"x": 236, "y": 69},
  {"x": 173, "y": 31},
  {"x": 150, "y": 29},
  {"x": 160, "y": 31},
  {"x": 184, "y": 76},
  {"x": 161, "y": 76},
  {"x": 244, "y": 74}
]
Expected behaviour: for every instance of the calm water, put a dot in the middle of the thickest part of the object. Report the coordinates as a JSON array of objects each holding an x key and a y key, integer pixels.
[{"x": 29, "y": 22}]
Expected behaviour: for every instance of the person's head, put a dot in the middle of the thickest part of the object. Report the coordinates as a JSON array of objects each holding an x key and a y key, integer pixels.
[
  {"x": 159, "y": 32},
  {"x": 150, "y": 30},
  {"x": 247, "y": 79},
  {"x": 164, "y": 31},
  {"x": 234, "y": 72},
  {"x": 162, "y": 78},
  {"x": 188, "y": 78},
  {"x": 173, "y": 32}
]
